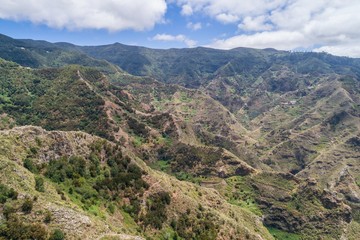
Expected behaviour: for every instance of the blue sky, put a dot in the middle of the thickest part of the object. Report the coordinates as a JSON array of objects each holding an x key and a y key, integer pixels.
[
  {"x": 321, "y": 25},
  {"x": 198, "y": 28}
]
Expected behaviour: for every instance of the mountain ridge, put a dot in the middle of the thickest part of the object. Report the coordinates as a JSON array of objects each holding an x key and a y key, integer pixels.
[{"x": 270, "y": 133}]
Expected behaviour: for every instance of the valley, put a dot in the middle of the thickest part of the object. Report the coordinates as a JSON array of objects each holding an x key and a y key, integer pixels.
[{"x": 126, "y": 142}]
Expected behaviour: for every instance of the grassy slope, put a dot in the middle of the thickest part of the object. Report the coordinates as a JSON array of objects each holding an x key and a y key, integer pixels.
[{"x": 86, "y": 223}]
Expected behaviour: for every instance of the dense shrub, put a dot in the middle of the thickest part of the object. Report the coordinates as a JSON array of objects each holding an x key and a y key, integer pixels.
[
  {"x": 48, "y": 217},
  {"x": 7, "y": 193},
  {"x": 196, "y": 227},
  {"x": 39, "y": 184},
  {"x": 27, "y": 205},
  {"x": 15, "y": 229},
  {"x": 133, "y": 208},
  {"x": 30, "y": 165},
  {"x": 63, "y": 168},
  {"x": 156, "y": 209},
  {"x": 111, "y": 208},
  {"x": 138, "y": 128},
  {"x": 123, "y": 174},
  {"x": 53, "y": 99},
  {"x": 8, "y": 210},
  {"x": 57, "y": 235}
]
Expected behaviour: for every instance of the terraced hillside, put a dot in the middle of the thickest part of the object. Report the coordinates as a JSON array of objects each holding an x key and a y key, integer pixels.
[{"x": 202, "y": 144}]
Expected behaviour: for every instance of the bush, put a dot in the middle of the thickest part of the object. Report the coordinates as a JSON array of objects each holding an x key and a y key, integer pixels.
[
  {"x": 6, "y": 193},
  {"x": 138, "y": 127},
  {"x": 66, "y": 168},
  {"x": 12, "y": 194},
  {"x": 48, "y": 217},
  {"x": 111, "y": 208},
  {"x": 15, "y": 229},
  {"x": 156, "y": 209},
  {"x": 30, "y": 165},
  {"x": 39, "y": 184},
  {"x": 199, "y": 227},
  {"x": 57, "y": 235},
  {"x": 27, "y": 205},
  {"x": 8, "y": 210}
]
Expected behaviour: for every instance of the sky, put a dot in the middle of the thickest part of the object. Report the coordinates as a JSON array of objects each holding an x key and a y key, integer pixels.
[{"x": 331, "y": 26}]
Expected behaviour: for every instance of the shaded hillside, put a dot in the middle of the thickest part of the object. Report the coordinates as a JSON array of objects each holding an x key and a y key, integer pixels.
[
  {"x": 197, "y": 66},
  {"x": 39, "y": 54}
]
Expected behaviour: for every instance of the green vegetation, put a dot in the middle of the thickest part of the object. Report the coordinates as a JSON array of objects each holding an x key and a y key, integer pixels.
[
  {"x": 240, "y": 111},
  {"x": 240, "y": 192},
  {"x": 27, "y": 205},
  {"x": 182, "y": 159},
  {"x": 6, "y": 122},
  {"x": 39, "y": 184},
  {"x": 57, "y": 235},
  {"x": 161, "y": 165},
  {"x": 138, "y": 141},
  {"x": 51, "y": 98},
  {"x": 48, "y": 217},
  {"x": 30, "y": 165},
  {"x": 156, "y": 210},
  {"x": 282, "y": 235},
  {"x": 14, "y": 228},
  {"x": 90, "y": 184},
  {"x": 138, "y": 128},
  {"x": 7, "y": 193},
  {"x": 40, "y": 54},
  {"x": 200, "y": 226}
]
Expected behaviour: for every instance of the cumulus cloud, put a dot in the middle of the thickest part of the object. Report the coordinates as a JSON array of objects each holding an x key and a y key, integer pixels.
[
  {"x": 175, "y": 38},
  {"x": 278, "y": 40},
  {"x": 186, "y": 10},
  {"x": 227, "y": 18},
  {"x": 347, "y": 50},
  {"x": 332, "y": 24},
  {"x": 322, "y": 25},
  {"x": 86, "y": 14},
  {"x": 194, "y": 26},
  {"x": 255, "y": 24},
  {"x": 234, "y": 8}
]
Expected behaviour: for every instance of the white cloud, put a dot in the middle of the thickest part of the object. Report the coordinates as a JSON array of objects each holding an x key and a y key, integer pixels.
[
  {"x": 86, "y": 14},
  {"x": 286, "y": 24},
  {"x": 279, "y": 40},
  {"x": 194, "y": 26},
  {"x": 186, "y": 10},
  {"x": 255, "y": 24},
  {"x": 347, "y": 50},
  {"x": 227, "y": 18},
  {"x": 175, "y": 38},
  {"x": 234, "y": 8}
]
